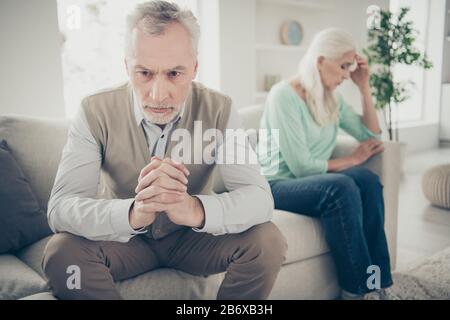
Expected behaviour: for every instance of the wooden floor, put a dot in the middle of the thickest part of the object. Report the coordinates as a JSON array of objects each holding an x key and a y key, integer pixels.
[{"x": 422, "y": 229}]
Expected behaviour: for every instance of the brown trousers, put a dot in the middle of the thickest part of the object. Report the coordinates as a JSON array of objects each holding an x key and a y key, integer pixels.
[{"x": 251, "y": 259}]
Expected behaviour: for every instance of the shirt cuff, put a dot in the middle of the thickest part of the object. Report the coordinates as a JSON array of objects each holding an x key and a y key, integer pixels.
[
  {"x": 213, "y": 215},
  {"x": 120, "y": 221}
]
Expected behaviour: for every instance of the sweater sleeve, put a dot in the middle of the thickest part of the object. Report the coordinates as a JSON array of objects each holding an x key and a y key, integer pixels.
[
  {"x": 284, "y": 114},
  {"x": 352, "y": 123}
]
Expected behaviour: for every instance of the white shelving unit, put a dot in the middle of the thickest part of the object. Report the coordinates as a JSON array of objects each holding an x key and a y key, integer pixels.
[
  {"x": 271, "y": 56},
  {"x": 279, "y": 48},
  {"x": 301, "y": 3}
]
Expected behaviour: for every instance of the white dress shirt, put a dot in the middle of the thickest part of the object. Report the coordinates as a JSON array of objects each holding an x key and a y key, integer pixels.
[{"x": 73, "y": 206}]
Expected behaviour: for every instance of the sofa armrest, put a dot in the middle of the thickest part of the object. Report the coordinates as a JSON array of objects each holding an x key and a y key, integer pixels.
[{"x": 387, "y": 166}]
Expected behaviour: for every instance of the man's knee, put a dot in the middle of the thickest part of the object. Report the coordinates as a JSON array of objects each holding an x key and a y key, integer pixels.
[
  {"x": 266, "y": 242},
  {"x": 64, "y": 252}
]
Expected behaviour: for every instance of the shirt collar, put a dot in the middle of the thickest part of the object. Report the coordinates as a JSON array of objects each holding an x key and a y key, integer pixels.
[{"x": 139, "y": 116}]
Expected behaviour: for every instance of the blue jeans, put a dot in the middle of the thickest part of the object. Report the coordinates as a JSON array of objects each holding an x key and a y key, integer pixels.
[{"x": 350, "y": 206}]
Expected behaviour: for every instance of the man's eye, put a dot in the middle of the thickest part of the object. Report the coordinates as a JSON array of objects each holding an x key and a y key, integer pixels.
[
  {"x": 144, "y": 74},
  {"x": 174, "y": 74},
  {"x": 344, "y": 67}
]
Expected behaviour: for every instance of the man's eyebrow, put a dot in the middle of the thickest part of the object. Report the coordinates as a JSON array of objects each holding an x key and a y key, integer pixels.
[
  {"x": 177, "y": 68},
  {"x": 140, "y": 67}
]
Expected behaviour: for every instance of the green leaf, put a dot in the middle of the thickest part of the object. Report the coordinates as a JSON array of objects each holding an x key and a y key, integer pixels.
[{"x": 391, "y": 43}]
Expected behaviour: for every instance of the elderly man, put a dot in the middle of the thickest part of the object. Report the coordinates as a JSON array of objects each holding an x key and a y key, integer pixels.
[{"x": 122, "y": 205}]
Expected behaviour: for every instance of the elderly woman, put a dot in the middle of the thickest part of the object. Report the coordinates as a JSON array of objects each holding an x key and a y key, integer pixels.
[{"x": 306, "y": 112}]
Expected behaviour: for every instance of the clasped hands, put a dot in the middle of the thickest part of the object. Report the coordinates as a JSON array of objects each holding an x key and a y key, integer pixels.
[{"x": 162, "y": 189}]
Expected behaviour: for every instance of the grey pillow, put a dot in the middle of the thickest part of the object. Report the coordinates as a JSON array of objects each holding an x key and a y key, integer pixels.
[{"x": 22, "y": 221}]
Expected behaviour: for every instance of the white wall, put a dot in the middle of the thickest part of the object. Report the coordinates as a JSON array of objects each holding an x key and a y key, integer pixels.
[
  {"x": 30, "y": 61},
  {"x": 209, "y": 46},
  {"x": 444, "y": 21},
  {"x": 445, "y": 113},
  {"x": 232, "y": 55},
  {"x": 432, "y": 80},
  {"x": 237, "y": 38},
  {"x": 237, "y": 34}
]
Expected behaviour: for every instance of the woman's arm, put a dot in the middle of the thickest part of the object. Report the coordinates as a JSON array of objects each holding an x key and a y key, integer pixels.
[
  {"x": 369, "y": 117},
  {"x": 361, "y": 78},
  {"x": 364, "y": 151},
  {"x": 285, "y": 117},
  {"x": 341, "y": 164}
]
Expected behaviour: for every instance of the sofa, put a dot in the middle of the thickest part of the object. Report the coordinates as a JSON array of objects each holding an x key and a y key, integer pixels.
[{"x": 307, "y": 273}]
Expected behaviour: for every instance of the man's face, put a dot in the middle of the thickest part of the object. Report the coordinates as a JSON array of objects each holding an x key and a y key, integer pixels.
[{"x": 161, "y": 69}]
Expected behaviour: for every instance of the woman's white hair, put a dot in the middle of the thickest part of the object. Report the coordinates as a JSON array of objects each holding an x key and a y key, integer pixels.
[
  {"x": 322, "y": 103},
  {"x": 153, "y": 17}
]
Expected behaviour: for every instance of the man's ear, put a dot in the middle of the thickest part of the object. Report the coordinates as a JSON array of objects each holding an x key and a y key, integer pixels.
[
  {"x": 126, "y": 65},
  {"x": 195, "y": 70}
]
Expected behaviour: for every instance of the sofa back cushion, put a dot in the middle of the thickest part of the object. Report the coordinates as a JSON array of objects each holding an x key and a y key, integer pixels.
[
  {"x": 22, "y": 220},
  {"x": 250, "y": 117},
  {"x": 36, "y": 144}
]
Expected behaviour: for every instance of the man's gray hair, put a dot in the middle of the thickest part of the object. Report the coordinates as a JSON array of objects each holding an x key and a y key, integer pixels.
[{"x": 153, "y": 17}]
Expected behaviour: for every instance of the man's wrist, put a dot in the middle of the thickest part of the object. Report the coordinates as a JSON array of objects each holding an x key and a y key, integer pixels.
[
  {"x": 199, "y": 212},
  {"x": 131, "y": 218}
]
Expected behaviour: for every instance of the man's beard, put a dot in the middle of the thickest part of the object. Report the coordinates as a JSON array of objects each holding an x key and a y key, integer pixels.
[{"x": 163, "y": 118}]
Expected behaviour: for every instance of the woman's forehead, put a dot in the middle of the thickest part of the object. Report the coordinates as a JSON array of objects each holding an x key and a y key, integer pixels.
[{"x": 349, "y": 56}]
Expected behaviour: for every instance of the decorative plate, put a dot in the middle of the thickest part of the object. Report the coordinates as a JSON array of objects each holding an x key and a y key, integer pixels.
[{"x": 291, "y": 33}]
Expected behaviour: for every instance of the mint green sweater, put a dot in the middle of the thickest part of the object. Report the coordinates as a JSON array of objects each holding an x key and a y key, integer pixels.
[{"x": 304, "y": 147}]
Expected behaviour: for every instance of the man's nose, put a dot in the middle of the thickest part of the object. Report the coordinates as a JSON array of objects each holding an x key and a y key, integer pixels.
[{"x": 158, "y": 91}]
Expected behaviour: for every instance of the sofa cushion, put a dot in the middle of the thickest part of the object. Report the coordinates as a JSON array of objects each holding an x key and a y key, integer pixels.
[
  {"x": 22, "y": 221},
  {"x": 160, "y": 284},
  {"x": 36, "y": 144},
  {"x": 17, "y": 280},
  {"x": 304, "y": 235},
  {"x": 40, "y": 296},
  {"x": 310, "y": 279},
  {"x": 251, "y": 116},
  {"x": 170, "y": 284},
  {"x": 165, "y": 283},
  {"x": 32, "y": 255}
]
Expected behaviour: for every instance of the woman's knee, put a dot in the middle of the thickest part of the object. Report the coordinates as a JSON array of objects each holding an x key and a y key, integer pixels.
[
  {"x": 365, "y": 178},
  {"x": 341, "y": 186},
  {"x": 342, "y": 194}
]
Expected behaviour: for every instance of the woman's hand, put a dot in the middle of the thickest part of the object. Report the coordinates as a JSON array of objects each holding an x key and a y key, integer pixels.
[
  {"x": 366, "y": 150},
  {"x": 361, "y": 74}
]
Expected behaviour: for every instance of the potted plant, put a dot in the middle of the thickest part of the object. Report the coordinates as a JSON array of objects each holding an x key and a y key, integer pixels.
[{"x": 391, "y": 41}]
